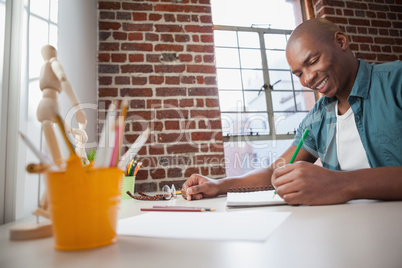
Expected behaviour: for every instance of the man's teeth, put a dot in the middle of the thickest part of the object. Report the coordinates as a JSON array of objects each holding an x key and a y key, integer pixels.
[{"x": 322, "y": 83}]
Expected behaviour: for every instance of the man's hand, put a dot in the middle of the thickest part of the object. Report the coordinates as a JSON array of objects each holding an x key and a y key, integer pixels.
[
  {"x": 198, "y": 186},
  {"x": 304, "y": 183}
]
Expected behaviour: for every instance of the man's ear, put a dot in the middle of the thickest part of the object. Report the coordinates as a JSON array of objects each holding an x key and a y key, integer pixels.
[{"x": 342, "y": 40}]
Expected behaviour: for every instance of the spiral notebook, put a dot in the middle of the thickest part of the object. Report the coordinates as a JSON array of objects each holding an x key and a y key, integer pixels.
[{"x": 252, "y": 199}]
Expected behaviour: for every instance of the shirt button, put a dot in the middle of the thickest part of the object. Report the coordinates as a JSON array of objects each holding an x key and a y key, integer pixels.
[
  {"x": 332, "y": 123},
  {"x": 324, "y": 148}
]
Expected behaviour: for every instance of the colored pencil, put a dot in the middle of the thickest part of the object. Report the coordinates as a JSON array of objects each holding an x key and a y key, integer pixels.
[
  {"x": 175, "y": 209},
  {"x": 183, "y": 207}
]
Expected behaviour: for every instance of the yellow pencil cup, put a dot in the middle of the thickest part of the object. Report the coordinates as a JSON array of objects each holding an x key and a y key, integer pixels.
[
  {"x": 128, "y": 185},
  {"x": 84, "y": 207}
]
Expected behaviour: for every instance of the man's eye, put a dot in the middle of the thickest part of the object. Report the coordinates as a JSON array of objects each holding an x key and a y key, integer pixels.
[
  {"x": 298, "y": 75},
  {"x": 313, "y": 61}
]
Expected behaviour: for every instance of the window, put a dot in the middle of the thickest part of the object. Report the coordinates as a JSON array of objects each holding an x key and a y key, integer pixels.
[
  {"x": 27, "y": 26},
  {"x": 261, "y": 102}
]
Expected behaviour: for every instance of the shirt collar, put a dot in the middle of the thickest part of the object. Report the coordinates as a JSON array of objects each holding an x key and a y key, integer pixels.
[{"x": 362, "y": 83}]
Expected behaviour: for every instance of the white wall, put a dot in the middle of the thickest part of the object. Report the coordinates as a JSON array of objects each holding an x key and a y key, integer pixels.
[{"x": 77, "y": 51}]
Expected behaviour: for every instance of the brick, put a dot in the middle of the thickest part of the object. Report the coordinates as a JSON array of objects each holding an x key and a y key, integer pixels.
[
  {"x": 378, "y": 7},
  {"x": 136, "y": 57},
  {"x": 167, "y": 38},
  {"x": 169, "y": 8},
  {"x": 173, "y": 137},
  {"x": 359, "y": 22},
  {"x": 103, "y": 36},
  {"x": 139, "y": 81},
  {"x": 119, "y": 57},
  {"x": 140, "y": 27},
  {"x": 105, "y": 80},
  {"x": 154, "y": 17},
  {"x": 137, "y": 46},
  {"x": 384, "y": 40},
  {"x": 151, "y": 37},
  {"x": 183, "y": 18},
  {"x": 172, "y": 114},
  {"x": 167, "y": 47},
  {"x": 387, "y": 57},
  {"x": 170, "y": 103},
  {"x": 152, "y": 58},
  {"x": 158, "y": 174},
  {"x": 185, "y": 58},
  {"x": 175, "y": 172},
  {"x": 200, "y": 48},
  {"x": 209, "y": 69},
  {"x": 137, "y": 104},
  {"x": 108, "y": 5},
  {"x": 169, "y": 17},
  {"x": 191, "y": 171},
  {"x": 172, "y": 80},
  {"x": 182, "y": 38},
  {"x": 205, "y": 113},
  {"x": 198, "y": 29},
  {"x": 103, "y": 57},
  {"x": 136, "y": 6},
  {"x": 168, "y": 28},
  {"x": 137, "y": 68},
  {"x": 140, "y": 16},
  {"x": 154, "y": 103},
  {"x": 156, "y": 80},
  {"x": 172, "y": 125},
  {"x": 135, "y": 36},
  {"x": 106, "y": 15},
  {"x": 170, "y": 68},
  {"x": 156, "y": 149},
  {"x": 136, "y": 92},
  {"x": 181, "y": 148},
  {"x": 380, "y": 23},
  {"x": 105, "y": 25},
  {"x": 107, "y": 92},
  {"x": 170, "y": 91},
  {"x": 108, "y": 46},
  {"x": 122, "y": 80},
  {"x": 123, "y": 15},
  {"x": 108, "y": 68},
  {"x": 208, "y": 91},
  {"x": 207, "y": 38},
  {"x": 186, "y": 103},
  {"x": 119, "y": 36}
]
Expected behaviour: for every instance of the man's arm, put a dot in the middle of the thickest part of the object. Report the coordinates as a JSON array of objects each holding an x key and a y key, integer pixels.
[
  {"x": 303, "y": 183},
  {"x": 198, "y": 186}
]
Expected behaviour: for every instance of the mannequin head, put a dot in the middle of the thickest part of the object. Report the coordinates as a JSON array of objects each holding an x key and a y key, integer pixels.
[{"x": 48, "y": 52}]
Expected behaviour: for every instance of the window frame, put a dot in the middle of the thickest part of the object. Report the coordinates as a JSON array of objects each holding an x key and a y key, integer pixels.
[{"x": 268, "y": 91}]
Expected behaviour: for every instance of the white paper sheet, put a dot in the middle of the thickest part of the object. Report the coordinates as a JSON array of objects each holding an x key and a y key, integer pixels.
[{"x": 221, "y": 226}]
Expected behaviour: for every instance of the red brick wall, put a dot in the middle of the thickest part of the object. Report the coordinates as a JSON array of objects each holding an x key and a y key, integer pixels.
[
  {"x": 373, "y": 26},
  {"x": 160, "y": 54}
]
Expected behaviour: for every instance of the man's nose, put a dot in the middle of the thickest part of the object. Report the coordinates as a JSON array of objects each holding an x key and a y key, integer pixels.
[{"x": 309, "y": 78}]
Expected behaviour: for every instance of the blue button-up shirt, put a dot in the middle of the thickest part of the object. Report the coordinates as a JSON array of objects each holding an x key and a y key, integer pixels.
[{"x": 376, "y": 101}]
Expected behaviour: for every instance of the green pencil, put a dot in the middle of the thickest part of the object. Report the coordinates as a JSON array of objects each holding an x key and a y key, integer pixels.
[
  {"x": 299, "y": 146},
  {"x": 297, "y": 149}
]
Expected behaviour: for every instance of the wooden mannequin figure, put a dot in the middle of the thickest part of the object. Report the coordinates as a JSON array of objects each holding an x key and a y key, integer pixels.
[{"x": 52, "y": 81}]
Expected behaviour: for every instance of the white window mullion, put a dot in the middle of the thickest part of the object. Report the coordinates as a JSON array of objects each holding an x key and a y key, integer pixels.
[{"x": 10, "y": 113}]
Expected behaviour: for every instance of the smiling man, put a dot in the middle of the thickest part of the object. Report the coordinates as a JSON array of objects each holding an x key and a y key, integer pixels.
[{"x": 355, "y": 129}]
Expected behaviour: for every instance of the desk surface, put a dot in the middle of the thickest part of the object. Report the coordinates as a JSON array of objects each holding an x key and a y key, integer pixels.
[{"x": 359, "y": 234}]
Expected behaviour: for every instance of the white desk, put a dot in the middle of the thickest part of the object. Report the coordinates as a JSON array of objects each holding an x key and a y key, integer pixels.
[{"x": 359, "y": 234}]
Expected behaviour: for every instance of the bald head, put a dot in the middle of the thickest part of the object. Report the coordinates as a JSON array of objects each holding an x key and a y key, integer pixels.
[{"x": 319, "y": 30}]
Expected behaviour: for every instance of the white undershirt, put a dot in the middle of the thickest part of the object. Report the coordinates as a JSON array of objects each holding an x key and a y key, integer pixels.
[{"x": 350, "y": 151}]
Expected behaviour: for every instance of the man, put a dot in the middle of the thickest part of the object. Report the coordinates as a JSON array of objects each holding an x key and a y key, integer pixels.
[{"x": 355, "y": 129}]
